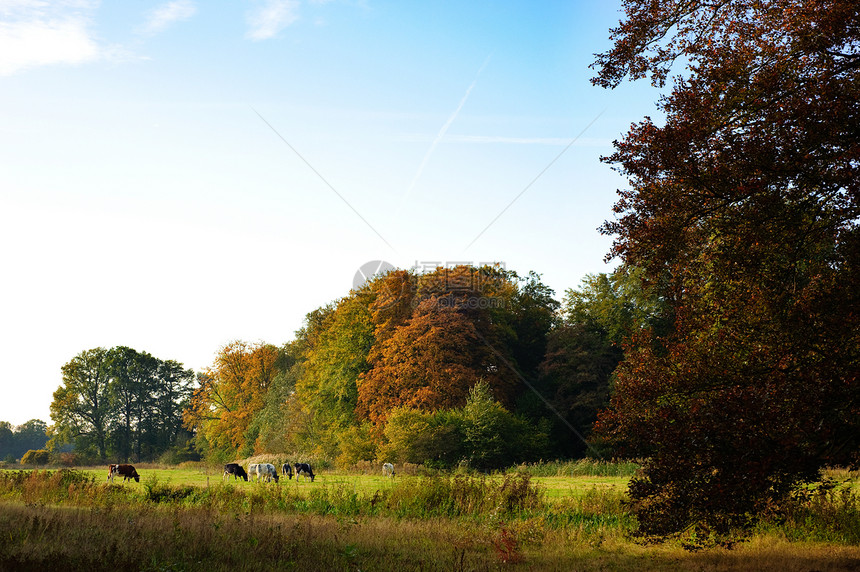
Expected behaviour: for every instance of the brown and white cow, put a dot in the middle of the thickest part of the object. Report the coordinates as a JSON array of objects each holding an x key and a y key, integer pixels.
[{"x": 125, "y": 471}]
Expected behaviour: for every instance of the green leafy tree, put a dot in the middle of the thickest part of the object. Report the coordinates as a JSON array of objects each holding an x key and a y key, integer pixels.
[
  {"x": 274, "y": 422},
  {"x": 119, "y": 402},
  {"x": 494, "y": 438},
  {"x": 82, "y": 405},
  {"x": 328, "y": 388},
  {"x": 743, "y": 210},
  {"x": 6, "y": 439},
  {"x": 132, "y": 383}
]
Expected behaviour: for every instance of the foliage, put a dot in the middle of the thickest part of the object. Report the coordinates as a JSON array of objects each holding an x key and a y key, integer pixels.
[
  {"x": 494, "y": 438},
  {"x": 82, "y": 405},
  {"x": 430, "y": 363},
  {"x": 583, "y": 350},
  {"x": 15, "y": 441},
  {"x": 36, "y": 457},
  {"x": 742, "y": 211},
  {"x": 357, "y": 443},
  {"x": 414, "y": 436},
  {"x": 400, "y": 341},
  {"x": 229, "y": 394},
  {"x": 120, "y": 402},
  {"x": 327, "y": 389},
  {"x": 481, "y": 433}
]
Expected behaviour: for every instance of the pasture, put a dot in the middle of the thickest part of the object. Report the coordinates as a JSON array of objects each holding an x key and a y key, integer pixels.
[
  {"x": 185, "y": 518},
  {"x": 556, "y": 487}
]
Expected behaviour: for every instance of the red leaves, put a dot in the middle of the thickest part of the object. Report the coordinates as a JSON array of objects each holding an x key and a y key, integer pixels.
[{"x": 744, "y": 208}]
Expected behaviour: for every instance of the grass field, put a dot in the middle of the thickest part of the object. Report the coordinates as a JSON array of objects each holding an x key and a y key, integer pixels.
[
  {"x": 184, "y": 518},
  {"x": 555, "y": 487}
]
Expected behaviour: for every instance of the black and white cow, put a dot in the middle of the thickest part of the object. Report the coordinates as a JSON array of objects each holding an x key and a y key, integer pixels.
[
  {"x": 266, "y": 471},
  {"x": 236, "y": 470},
  {"x": 304, "y": 469},
  {"x": 125, "y": 471},
  {"x": 387, "y": 470},
  {"x": 287, "y": 470}
]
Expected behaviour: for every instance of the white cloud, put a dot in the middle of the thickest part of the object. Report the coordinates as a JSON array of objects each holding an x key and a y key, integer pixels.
[
  {"x": 266, "y": 21},
  {"x": 31, "y": 36},
  {"x": 167, "y": 14}
]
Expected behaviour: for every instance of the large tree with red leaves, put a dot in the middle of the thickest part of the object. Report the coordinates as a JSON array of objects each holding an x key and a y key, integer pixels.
[{"x": 742, "y": 209}]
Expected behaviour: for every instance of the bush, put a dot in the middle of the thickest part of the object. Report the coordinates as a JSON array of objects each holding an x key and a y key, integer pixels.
[
  {"x": 36, "y": 457},
  {"x": 68, "y": 459}
]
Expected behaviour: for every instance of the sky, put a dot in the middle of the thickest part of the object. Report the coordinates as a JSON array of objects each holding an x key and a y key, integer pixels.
[{"x": 178, "y": 175}]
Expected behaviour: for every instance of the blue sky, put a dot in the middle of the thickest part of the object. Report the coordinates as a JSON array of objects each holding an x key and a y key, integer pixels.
[{"x": 150, "y": 197}]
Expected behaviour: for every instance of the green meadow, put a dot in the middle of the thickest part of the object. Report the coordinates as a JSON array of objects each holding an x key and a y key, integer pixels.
[{"x": 187, "y": 518}]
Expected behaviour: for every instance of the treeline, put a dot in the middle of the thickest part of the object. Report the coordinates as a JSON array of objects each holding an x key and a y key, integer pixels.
[
  {"x": 475, "y": 365},
  {"x": 17, "y": 440},
  {"x": 123, "y": 404}
]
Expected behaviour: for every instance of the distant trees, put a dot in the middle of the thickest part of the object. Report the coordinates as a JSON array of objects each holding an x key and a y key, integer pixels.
[
  {"x": 461, "y": 364},
  {"x": 743, "y": 213},
  {"x": 457, "y": 352},
  {"x": 15, "y": 441},
  {"x": 120, "y": 402}
]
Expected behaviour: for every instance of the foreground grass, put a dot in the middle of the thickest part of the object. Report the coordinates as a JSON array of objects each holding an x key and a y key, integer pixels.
[
  {"x": 159, "y": 538},
  {"x": 74, "y": 520}
]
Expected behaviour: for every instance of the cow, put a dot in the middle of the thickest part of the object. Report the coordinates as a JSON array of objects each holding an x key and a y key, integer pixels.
[
  {"x": 125, "y": 471},
  {"x": 388, "y": 470},
  {"x": 266, "y": 471},
  {"x": 252, "y": 470},
  {"x": 236, "y": 470},
  {"x": 287, "y": 470},
  {"x": 304, "y": 469}
]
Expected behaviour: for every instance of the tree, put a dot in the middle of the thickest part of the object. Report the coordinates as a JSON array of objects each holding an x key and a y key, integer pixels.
[
  {"x": 228, "y": 396},
  {"x": 743, "y": 211},
  {"x": 169, "y": 397},
  {"x": 119, "y": 402},
  {"x": 328, "y": 387},
  {"x": 430, "y": 363},
  {"x": 494, "y": 438},
  {"x": 274, "y": 424},
  {"x": 82, "y": 406},
  {"x": 132, "y": 379}
]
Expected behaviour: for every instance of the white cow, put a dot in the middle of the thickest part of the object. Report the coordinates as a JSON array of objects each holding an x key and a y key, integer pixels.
[
  {"x": 266, "y": 471},
  {"x": 387, "y": 470}
]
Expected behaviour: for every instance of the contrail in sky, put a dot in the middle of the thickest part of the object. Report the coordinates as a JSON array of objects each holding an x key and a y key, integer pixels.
[{"x": 442, "y": 132}]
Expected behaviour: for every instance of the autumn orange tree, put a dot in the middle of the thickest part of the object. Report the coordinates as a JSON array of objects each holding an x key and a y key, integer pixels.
[
  {"x": 431, "y": 363},
  {"x": 228, "y": 396},
  {"x": 742, "y": 211},
  {"x": 446, "y": 330}
]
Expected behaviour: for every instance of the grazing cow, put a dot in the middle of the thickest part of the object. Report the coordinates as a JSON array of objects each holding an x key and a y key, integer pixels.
[
  {"x": 267, "y": 471},
  {"x": 236, "y": 470},
  {"x": 252, "y": 470},
  {"x": 287, "y": 470},
  {"x": 125, "y": 471},
  {"x": 387, "y": 470},
  {"x": 304, "y": 469}
]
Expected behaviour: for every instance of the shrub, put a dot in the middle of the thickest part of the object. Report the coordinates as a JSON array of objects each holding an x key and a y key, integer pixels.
[
  {"x": 36, "y": 457},
  {"x": 68, "y": 459}
]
